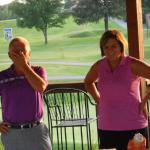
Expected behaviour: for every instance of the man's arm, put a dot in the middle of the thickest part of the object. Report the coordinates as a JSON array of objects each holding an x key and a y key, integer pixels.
[
  {"x": 21, "y": 64},
  {"x": 36, "y": 81}
]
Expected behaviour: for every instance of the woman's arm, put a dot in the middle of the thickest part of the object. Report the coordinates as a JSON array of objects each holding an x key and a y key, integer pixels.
[
  {"x": 141, "y": 69},
  {"x": 143, "y": 106},
  {"x": 90, "y": 79}
]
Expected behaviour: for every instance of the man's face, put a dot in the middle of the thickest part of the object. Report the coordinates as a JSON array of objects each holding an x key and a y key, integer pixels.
[{"x": 18, "y": 47}]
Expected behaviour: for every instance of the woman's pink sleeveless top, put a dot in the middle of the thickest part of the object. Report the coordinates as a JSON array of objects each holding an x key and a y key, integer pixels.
[{"x": 118, "y": 109}]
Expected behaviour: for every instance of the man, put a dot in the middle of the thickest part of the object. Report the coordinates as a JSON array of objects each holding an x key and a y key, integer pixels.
[{"x": 21, "y": 88}]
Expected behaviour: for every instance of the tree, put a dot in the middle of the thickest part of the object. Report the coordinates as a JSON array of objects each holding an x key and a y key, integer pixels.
[
  {"x": 145, "y": 8},
  {"x": 69, "y": 4},
  {"x": 93, "y": 10},
  {"x": 5, "y": 13},
  {"x": 40, "y": 14},
  {"x": 146, "y": 4}
]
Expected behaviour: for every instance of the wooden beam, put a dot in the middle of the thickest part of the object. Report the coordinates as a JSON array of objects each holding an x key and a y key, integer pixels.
[
  {"x": 135, "y": 28},
  {"x": 135, "y": 32}
]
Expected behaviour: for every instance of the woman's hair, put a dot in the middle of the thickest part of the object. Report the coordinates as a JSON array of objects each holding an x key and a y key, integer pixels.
[
  {"x": 113, "y": 34},
  {"x": 20, "y": 39}
]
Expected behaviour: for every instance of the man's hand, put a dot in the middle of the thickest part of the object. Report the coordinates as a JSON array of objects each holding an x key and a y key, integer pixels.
[
  {"x": 4, "y": 127},
  {"x": 18, "y": 59}
]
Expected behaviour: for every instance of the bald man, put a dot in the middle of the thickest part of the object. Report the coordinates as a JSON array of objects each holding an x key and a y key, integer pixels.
[{"x": 21, "y": 89}]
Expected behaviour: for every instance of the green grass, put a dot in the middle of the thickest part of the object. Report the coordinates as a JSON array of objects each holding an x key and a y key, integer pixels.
[
  {"x": 78, "y": 146},
  {"x": 72, "y": 43},
  {"x": 147, "y": 46}
]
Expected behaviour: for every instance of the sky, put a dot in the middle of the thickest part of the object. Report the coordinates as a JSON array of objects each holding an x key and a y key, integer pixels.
[{"x": 3, "y": 2}]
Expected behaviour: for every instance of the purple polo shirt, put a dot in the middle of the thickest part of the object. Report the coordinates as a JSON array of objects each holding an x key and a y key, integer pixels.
[{"x": 20, "y": 102}]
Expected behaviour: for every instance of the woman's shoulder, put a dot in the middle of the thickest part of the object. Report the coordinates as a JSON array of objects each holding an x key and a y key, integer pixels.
[
  {"x": 135, "y": 65},
  {"x": 131, "y": 58},
  {"x": 98, "y": 62},
  {"x": 133, "y": 61},
  {"x": 102, "y": 62}
]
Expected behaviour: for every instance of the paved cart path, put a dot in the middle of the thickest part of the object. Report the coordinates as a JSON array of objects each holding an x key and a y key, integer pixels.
[{"x": 58, "y": 63}]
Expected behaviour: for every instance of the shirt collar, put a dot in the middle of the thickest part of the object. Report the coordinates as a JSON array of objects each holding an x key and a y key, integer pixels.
[
  {"x": 11, "y": 70},
  {"x": 122, "y": 62}
]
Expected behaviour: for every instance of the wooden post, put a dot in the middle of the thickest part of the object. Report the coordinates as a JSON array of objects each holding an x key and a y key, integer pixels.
[
  {"x": 135, "y": 39},
  {"x": 135, "y": 33}
]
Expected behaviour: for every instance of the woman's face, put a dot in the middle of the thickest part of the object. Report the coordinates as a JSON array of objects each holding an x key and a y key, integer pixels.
[{"x": 112, "y": 50}]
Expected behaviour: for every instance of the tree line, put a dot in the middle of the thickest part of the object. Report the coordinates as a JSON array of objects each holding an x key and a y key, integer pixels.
[{"x": 44, "y": 14}]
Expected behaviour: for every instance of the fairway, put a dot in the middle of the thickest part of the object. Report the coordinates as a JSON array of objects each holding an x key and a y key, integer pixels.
[
  {"x": 70, "y": 51},
  {"x": 72, "y": 43}
]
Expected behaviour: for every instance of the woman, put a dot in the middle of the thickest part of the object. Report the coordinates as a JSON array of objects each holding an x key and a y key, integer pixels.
[{"x": 117, "y": 93}]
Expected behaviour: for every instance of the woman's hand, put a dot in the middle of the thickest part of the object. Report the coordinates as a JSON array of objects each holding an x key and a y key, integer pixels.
[{"x": 143, "y": 109}]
